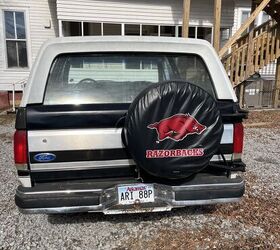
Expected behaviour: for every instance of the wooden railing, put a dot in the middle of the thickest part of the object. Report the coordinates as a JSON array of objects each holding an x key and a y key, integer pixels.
[{"x": 253, "y": 51}]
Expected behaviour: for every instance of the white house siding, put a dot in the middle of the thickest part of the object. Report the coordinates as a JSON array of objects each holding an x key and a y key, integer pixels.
[
  {"x": 269, "y": 71},
  {"x": 142, "y": 11},
  {"x": 38, "y": 14}
]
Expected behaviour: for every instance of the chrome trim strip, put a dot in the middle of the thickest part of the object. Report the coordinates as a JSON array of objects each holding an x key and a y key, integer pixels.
[
  {"x": 228, "y": 157},
  {"x": 67, "y": 191},
  {"x": 25, "y": 181},
  {"x": 83, "y": 165},
  {"x": 100, "y": 208},
  {"x": 174, "y": 188},
  {"x": 204, "y": 202},
  {"x": 209, "y": 186},
  {"x": 58, "y": 210},
  {"x": 227, "y": 137},
  {"x": 84, "y": 139},
  {"x": 74, "y": 139}
]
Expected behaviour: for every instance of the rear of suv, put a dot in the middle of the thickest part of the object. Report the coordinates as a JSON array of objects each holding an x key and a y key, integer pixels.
[{"x": 127, "y": 124}]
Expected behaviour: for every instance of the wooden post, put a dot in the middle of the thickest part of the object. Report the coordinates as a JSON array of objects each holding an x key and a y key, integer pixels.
[
  {"x": 241, "y": 94},
  {"x": 217, "y": 24},
  {"x": 277, "y": 85},
  {"x": 186, "y": 18},
  {"x": 243, "y": 27},
  {"x": 250, "y": 52},
  {"x": 250, "y": 55}
]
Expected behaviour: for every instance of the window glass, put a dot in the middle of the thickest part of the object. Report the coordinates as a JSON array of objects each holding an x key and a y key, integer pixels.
[
  {"x": 265, "y": 17},
  {"x": 118, "y": 77},
  {"x": 167, "y": 30},
  {"x": 193, "y": 69},
  {"x": 180, "y": 31},
  {"x": 110, "y": 29},
  {"x": 20, "y": 25},
  {"x": 245, "y": 14},
  {"x": 11, "y": 54},
  {"x": 9, "y": 24},
  {"x": 132, "y": 29},
  {"x": 204, "y": 33},
  {"x": 225, "y": 35},
  {"x": 191, "y": 32},
  {"x": 149, "y": 64},
  {"x": 22, "y": 54},
  {"x": 132, "y": 63},
  {"x": 149, "y": 30},
  {"x": 71, "y": 28},
  {"x": 92, "y": 29}
]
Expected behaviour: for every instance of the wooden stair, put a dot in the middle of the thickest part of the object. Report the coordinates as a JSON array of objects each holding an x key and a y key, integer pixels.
[{"x": 253, "y": 51}]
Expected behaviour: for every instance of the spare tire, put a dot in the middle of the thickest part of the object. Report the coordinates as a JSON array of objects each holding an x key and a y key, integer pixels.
[{"x": 172, "y": 129}]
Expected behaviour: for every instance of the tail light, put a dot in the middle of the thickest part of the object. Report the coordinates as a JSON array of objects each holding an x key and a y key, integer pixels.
[
  {"x": 238, "y": 138},
  {"x": 20, "y": 148}
]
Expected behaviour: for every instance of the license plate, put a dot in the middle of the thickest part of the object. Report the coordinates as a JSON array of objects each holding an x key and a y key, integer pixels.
[{"x": 133, "y": 194}]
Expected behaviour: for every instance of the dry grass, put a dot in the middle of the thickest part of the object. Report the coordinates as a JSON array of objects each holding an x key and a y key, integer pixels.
[
  {"x": 265, "y": 118},
  {"x": 7, "y": 119}
]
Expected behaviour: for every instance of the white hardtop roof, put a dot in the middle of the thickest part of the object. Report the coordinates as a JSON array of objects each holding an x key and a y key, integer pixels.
[
  {"x": 131, "y": 39},
  {"x": 35, "y": 87}
]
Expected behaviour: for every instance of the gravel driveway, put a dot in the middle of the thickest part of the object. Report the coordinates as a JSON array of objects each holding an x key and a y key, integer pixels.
[{"x": 254, "y": 222}]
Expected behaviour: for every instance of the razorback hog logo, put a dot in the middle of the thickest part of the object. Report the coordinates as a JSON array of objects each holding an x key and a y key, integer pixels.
[{"x": 177, "y": 127}]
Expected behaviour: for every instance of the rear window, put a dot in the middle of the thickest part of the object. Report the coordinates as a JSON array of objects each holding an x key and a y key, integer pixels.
[{"x": 118, "y": 77}]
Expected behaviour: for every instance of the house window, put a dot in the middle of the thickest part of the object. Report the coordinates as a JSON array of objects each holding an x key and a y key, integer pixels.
[
  {"x": 199, "y": 33},
  {"x": 245, "y": 14},
  {"x": 72, "y": 28},
  {"x": 192, "y": 32},
  {"x": 111, "y": 29},
  {"x": 204, "y": 33},
  {"x": 149, "y": 30},
  {"x": 15, "y": 39},
  {"x": 265, "y": 17},
  {"x": 225, "y": 35},
  {"x": 92, "y": 29},
  {"x": 132, "y": 29},
  {"x": 167, "y": 31}
]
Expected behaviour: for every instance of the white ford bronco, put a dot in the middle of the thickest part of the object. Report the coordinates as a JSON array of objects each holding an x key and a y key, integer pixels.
[{"x": 125, "y": 125}]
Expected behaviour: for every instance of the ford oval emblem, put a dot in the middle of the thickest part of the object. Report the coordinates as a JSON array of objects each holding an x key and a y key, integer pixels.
[{"x": 44, "y": 157}]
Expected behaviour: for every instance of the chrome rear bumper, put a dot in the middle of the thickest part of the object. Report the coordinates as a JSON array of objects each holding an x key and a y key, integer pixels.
[{"x": 102, "y": 196}]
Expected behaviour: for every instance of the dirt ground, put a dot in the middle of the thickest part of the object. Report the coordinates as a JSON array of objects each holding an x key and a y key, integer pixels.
[
  {"x": 263, "y": 119},
  {"x": 253, "y": 223}
]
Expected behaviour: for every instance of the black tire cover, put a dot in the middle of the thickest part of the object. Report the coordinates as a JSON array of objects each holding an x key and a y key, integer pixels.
[{"x": 172, "y": 129}]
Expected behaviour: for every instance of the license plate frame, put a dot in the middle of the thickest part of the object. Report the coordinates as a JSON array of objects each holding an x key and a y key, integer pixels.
[{"x": 135, "y": 194}]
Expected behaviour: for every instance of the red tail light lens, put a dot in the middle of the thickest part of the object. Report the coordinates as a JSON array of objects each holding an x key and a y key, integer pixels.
[
  {"x": 238, "y": 137},
  {"x": 20, "y": 147}
]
